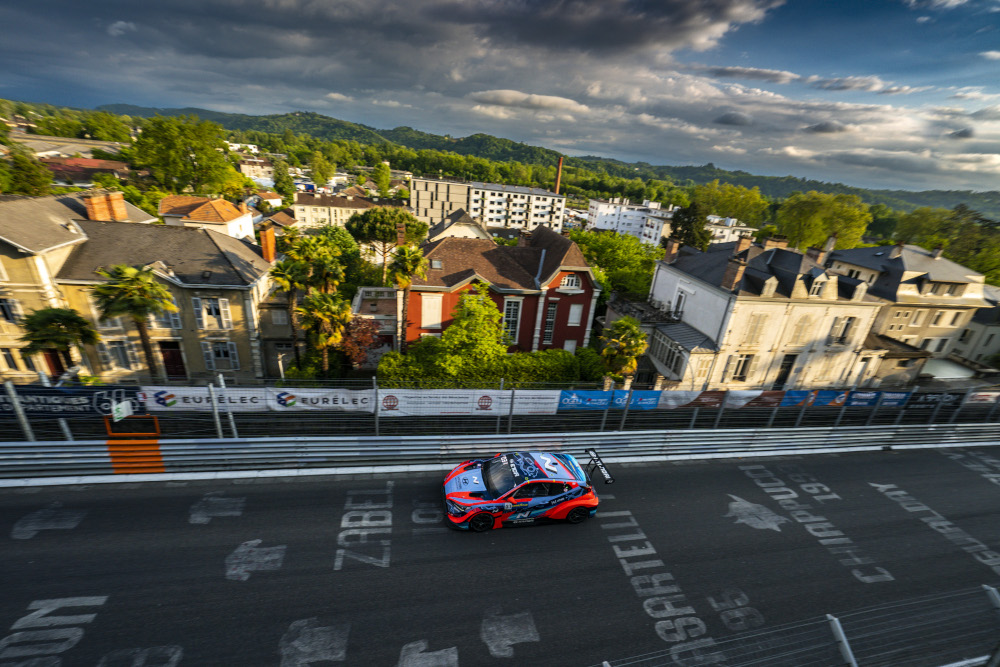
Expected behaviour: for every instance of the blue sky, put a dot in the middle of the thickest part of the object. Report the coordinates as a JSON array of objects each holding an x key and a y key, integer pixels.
[{"x": 883, "y": 94}]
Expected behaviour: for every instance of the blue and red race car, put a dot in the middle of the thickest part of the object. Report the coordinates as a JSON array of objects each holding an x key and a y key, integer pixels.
[{"x": 519, "y": 488}]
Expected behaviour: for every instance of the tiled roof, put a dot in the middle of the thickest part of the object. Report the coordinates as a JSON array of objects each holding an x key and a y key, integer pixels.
[
  {"x": 283, "y": 218},
  {"x": 199, "y": 209},
  {"x": 332, "y": 201}
]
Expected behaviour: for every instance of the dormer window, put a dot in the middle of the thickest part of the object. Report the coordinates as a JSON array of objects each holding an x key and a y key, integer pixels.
[
  {"x": 437, "y": 264},
  {"x": 571, "y": 281},
  {"x": 816, "y": 287}
]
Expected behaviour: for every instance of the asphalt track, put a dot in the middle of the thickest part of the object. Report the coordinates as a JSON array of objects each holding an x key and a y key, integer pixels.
[{"x": 362, "y": 571}]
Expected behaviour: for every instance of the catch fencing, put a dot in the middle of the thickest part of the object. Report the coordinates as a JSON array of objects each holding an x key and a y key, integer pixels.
[{"x": 78, "y": 413}]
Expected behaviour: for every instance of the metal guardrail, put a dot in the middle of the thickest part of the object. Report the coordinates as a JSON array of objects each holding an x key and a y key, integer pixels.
[{"x": 105, "y": 457}]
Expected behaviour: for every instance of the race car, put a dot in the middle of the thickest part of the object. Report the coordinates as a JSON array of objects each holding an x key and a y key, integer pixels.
[{"x": 517, "y": 488}]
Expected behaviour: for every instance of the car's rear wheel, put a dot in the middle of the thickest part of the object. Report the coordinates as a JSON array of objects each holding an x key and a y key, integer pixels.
[
  {"x": 578, "y": 515},
  {"x": 481, "y": 522}
]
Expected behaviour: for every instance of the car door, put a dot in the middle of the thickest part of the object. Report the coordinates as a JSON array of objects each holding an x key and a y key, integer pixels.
[{"x": 529, "y": 502}]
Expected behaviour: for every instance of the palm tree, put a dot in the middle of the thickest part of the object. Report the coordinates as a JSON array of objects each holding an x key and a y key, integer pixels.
[
  {"x": 135, "y": 293},
  {"x": 325, "y": 316},
  {"x": 59, "y": 329},
  {"x": 623, "y": 344},
  {"x": 290, "y": 276},
  {"x": 408, "y": 262}
]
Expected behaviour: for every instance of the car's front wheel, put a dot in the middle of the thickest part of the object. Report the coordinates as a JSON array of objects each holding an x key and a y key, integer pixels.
[
  {"x": 481, "y": 522},
  {"x": 578, "y": 515}
]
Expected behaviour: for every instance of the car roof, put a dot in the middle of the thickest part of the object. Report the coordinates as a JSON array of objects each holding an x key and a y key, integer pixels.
[{"x": 546, "y": 466}]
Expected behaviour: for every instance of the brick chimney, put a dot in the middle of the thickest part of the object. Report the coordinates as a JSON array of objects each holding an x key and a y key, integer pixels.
[
  {"x": 815, "y": 254},
  {"x": 672, "y": 247},
  {"x": 243, "y": 208},
  {"x": 775, "y": 242},
  {"x": 267, "y": 244},
  {"x": 734, "y": 273},
  {"x": 116, "y": 206},
  {"x": 559, "y": 175},
  {"x": 97, "y": 207},
  {"x": 742, "y": 244},
  {"x": 936, "y": 253},
  {"x": 896, "y": 251}
]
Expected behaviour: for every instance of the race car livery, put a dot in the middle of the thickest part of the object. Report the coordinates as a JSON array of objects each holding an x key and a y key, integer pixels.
[{"x": 516, "y": 488}]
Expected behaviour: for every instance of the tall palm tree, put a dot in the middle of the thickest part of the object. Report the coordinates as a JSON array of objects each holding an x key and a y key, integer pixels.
[
  {"x": 133, "y": 292},
  {"x": 290, "y": 277},
  {"x": 59, "y": 329},
  {"x": 325, "y": 316},
  {"x": 408, "y": 262},
  {"x": 623, "y": 344}
]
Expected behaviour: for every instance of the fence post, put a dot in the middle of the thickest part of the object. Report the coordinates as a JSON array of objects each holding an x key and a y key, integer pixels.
[
  {"x": 229, "y": 412},
  {"x": 15, "y": 403},
  {"x": 937, "y": 408},
  {"x": 694, "y": 418},
  {"x": 63, "y": 425},
  {"x": 510, "y": 415},
  {"x": 842, "y": 643},
  {"x": 843, "y": 409},
  {"x": 802, "y": 412},
  {"x": 604, "y": 416},
  {"x": 965, "y": 399},
  {"x": 722, "y": 408},
  {"x": 375, "y": 403},
  {"x": 215, "y": 411},
  {"x": 499, "y": 416},
  {"x": 628, "y": 402},
  {"x": 878, "y": 403},
  {"x": 993, "y": 410}
]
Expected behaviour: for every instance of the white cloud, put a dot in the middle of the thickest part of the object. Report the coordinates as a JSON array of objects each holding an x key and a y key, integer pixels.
[
  {"x": 339, "y": 97},
  {"x": 119, "y": 28},
  {"x": 515, "y": 98},
  {"x": 990, "y": 55}
]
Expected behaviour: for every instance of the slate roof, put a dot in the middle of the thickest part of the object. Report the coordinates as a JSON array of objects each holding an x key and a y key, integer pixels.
[
  {"x": 517, "y": 189},
  {"x": 199, "y": 209},
  {"x": 332, "y": 201},
  {"x": 688, "y": 337},
  {"x": 188, "y": 251},
  {"x": 990, "y": 314},
  {"x": 37, "y": 224},
  {"x": 458, "y": 217}
]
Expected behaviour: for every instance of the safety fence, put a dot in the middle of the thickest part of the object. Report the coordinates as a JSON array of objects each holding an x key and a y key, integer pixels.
[
  {"x": 78, "y": 413},
  {"x": 961, "y": 628},
  {"x": 148, "y": 454}
]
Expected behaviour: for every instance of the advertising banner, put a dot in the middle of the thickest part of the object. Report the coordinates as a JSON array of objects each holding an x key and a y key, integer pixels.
[
  {"x": 983, "y": 397},
  {"x": 931, "y": 401},
  {"x": 281, "y": 399},
  {"x": 584, "y": 400},
  {"x": 481, "y": 403},
  {"x": 894, "y": 399},
  {"x": 829, "y": 399},
  {"x": 641, "y": 399},
  {"x": 671, "y": 400},
  {"x": 754, "y": 399},
  {"x": 256, "y": 399},
  {"x": 71, "y": 401},
  {"x": 863, "y": 399}
]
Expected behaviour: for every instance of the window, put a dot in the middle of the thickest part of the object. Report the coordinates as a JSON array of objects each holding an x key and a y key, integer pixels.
[
  {"x": 955, "y": 318},
  {"x": 550, "y": 323},
  {"x": 756, "y": 329},
  {"x": 571, "y": 280},
  {"x": 575, "y": 315},
  {"x": 212, "y": 313},
  {"x": 854, "y": 273},
  {"x": 8, "y": 357},
  {"x": 937, "y": 318},
  {"x": 430, "y": 311},
  {"x": 10, "y": 310},
  {"x": 166, "y": 319},
  {"x": 679, "y": 303},
  {"x": 842, "y": 329},
  {"x": 741, "y": 368},
  {"x": 117, "y": 354},
  {"x": 436, "y": 264},
  {"x": 943, "y": 343},
  {"x": 816, "y": 287},
  {"x": 918, "y": 317},
  {"x": 220, "y": 356},
  {"x": 965, "y": 336},
  {"x": 511, "y": 318},
  {"x": 279, "y": 317}
]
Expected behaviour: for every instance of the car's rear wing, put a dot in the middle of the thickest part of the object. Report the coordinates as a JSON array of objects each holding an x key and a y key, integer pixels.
[{"x": 596, "y": 463}]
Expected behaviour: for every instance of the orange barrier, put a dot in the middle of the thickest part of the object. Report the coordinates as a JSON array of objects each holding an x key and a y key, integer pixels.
[{"x": 137, "y": 451}]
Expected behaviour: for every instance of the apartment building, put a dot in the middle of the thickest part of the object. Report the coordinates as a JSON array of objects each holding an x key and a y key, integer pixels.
[
  {"x": 647, "y": 222},
  {"x": 493, "y": 204},
  {"x": 315, "y": 209}
]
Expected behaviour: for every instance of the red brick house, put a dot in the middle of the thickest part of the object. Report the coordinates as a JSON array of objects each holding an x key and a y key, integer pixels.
[{"x": 544, "y": 288}]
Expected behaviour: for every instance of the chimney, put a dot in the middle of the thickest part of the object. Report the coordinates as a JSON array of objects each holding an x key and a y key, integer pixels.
[
  {"x": 734, "y": 273},
  {"x": 742, "y": 244},
  {"x": 815, "y": 254},
  {"x": 559, "y": 175},
  {"x": 775, "y": 242},
  {"x": 672, "y": 247},
  {"x": 896, "y": 251},
  {"x": 97, "y": 207},
  {"x": 116, "y": 206},
  {"x": 243, "y": 208},
  {"x": 267, "y": 245},
  {"x": 936, "y": 253}
]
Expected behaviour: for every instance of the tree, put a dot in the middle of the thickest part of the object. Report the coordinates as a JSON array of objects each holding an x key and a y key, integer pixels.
[
  {"x": 360, "y": 338},
  {"x": 290, "y": 276},
  {"x": 56, "y": 328},
  {"x": 734, "y": 201},
  {"x": 133, "y": 292},
  {"x": 407, "y": 262},
  {"x": 626, "y": 261},
  {"x": 27, "y": 175},
  {"x": 183, "y": 153},
  {"x": 884, "y": 221},
  {"x": 325, "y": 316},
  {"x": 809, "y": 219},
  {"x": 283, "y": 184},
  {"x": 322, "y": 170},
  {"x": 103, "y": 126},
  {"x": 688, "y": 226},
  {"x": 382, "y": 177},
  {"x": 923, "y": 225},
  {"x": 385, "y": 228},
  {"x": 622, "y": 345}
]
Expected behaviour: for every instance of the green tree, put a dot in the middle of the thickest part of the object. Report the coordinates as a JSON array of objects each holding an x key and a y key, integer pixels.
[
  {"x": 183, "y": 153},
  {"x": 884, "y": 221},
  {"x": 103, "y": 126},
  {"x": 382, "y": 177},
  {"x": 385, "y": 228},
  {"x": 135, "y": 293},
  {"x": 809, "y": 219},
  {"x": 688, "y": 226},
  {"x": 622, "y": 344},
  {"x": 27, "y": 176},
  {"x": 322, "y": 170},
  {"x": 626, "y": 261},
  {"x": 325, "y": 316},
  {"x": 923, "y": 225},
  {"x": 734, "y": 201},
  {"x": 56, "y": 328},
  {"x": 283, "y": 183},
  {"x": 408, "y": 262},
  {"x": 290, "y": 277}
]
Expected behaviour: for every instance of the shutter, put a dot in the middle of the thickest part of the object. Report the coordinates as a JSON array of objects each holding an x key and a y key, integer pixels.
[
  {"x": 756, "y": 329},
  {"x": 104, "y": 356},
  {"x": 153, "y": 321},
  {"x": 133, "y": 358},
  {"x": 834, "y": 330},
  {"x": 199, "y": 316},
  {"x": 730, "y": 367},
  {"x": 175, "y": 316},
  {"x": 800, "y": 330},
  {"x": 752, "y": 371},
  {"x": 234, "y": 357},
  {"x": 206, "y": 352},
  {"x": 227, "y": 316},
  {"x": 848, "y": 329},
  {"x": 16, "y": 307}
]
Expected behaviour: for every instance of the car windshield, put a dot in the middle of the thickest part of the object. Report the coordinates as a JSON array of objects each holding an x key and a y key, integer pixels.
[{"x": 498, "y": 476}]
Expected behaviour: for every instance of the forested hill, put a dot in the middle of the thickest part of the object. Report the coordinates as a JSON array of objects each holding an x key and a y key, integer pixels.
[{"x": 496, "y": 148}]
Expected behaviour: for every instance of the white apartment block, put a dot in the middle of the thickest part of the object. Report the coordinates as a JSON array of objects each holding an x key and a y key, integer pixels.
[
  {"x": 727, "y": 230},
  {"x": 648, "y": 222},
  {"x": 493, "y": 204}
]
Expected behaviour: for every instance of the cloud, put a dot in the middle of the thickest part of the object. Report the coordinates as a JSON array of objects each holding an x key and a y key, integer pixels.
[
  {"x": 987, "y": 113},
  {"x": 515, "y": 98},
  {"x": 990, "y": 55},
  {"x": 934, "y": 4},
  {"x": 338, "y": 97},
  {"x": 964, "y": 133},
  {"x": 119, "y": 28},
  {"x": 734, "y": 118},
  {"x": 772, "y": 75},
  {"x": 827, "y": 127}
]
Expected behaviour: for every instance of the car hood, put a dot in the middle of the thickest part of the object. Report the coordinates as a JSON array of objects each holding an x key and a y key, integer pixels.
[{"x": 466, "y": 481}]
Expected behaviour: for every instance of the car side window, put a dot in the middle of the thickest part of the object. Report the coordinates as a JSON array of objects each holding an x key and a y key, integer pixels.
[{"x": 533, "y": 490}]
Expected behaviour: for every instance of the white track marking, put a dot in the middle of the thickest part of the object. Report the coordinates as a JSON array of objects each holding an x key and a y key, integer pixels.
[
  {"x": 306, "y": 642},
  {"x": 501, "y": 632},
  {"x": 50, "y": 518},
  {"x": 249, "y": 557},
  {"x": 213, "y": 504}
]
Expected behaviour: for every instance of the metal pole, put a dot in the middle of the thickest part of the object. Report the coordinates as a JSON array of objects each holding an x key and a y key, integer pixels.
[
  {"x": 843, "y": 409},
  {"x": 993, "y": 410},
  {"x": 842, "y": 643},
  {"x": 722, "y": 408},
  {"x": 229, "y": 412},
  {"x": 510, "y": 415},
  {"x": 628, "y": 402},
  {"x": 965, "y": 399},
  {"x": 215, "y": 412},
  {"x": 774, "y": 413},
  {"x": 802, "y": 411},
  {"x": 604, "y": 417},
  {"x": 375, "y": 389},
  {"x": 63, "y": 424},
  {"x": 694, "y": 418},
  {"x": 499, "y": 416},
  {"x": 937, "y": 408},
  {"x": 15, "y": 403},
  {"x": 878, "y": 403}
]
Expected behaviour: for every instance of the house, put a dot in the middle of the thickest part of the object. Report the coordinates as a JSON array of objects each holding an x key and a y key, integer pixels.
[
  {"x": 544, "y": 288},
  {"x": 458, "y": 225},
  {"x": 79, "y": 172},
  {"x": 928, "y": 300},
  {"x": 272, "y": 199},
  {"x": 384, "y": 306},
  {"x": 210, "y": 213},
  {"x": 727, "y": 230},
  {"x": 495, "y": 205},
  {"x": 257, "y": 168},
  {"x": 314, "y": 209},
  {"x": 648, "y": 222},
  {"x": 745, "y": 316}
]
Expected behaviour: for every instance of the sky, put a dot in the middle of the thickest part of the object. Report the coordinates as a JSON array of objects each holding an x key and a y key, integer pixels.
[{"x": 901, "y": 94}]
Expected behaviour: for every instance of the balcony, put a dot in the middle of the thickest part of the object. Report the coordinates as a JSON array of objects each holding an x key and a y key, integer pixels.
[{"x": 646, "y": 311}]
